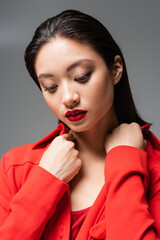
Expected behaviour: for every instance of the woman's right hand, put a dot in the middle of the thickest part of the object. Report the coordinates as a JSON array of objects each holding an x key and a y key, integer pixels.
[{"x": 61, "y": 158}]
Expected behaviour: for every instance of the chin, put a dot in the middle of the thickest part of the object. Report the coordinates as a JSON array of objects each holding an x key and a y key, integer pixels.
[
  {"x": 81, "y": 127},
  {"x": 78, "y": 128}
]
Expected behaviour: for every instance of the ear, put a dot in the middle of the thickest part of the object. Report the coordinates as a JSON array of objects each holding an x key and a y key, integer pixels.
[{"x": 117, "y": 69}]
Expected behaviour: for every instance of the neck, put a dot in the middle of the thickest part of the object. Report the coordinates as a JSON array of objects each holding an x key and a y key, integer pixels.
[{"x": 92, "y": 141}]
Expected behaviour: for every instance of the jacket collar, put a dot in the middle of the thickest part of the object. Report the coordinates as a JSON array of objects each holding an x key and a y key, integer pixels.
[{"x": 61, "y": 129}]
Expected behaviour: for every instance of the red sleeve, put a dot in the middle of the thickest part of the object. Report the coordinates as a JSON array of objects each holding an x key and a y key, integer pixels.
[
  {"x": 27, "y": 212},
  {"x": 155, "y": 200},
  {"x": 127, "y": 210}
]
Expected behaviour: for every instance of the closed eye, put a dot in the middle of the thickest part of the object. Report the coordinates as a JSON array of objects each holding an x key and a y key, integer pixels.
[
  {"x": 51, "y": 88},
  {"x": 83, "y": 78}
]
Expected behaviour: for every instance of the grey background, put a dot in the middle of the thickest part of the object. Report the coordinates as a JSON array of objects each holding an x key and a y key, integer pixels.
[{"x": 24, "y": 115}]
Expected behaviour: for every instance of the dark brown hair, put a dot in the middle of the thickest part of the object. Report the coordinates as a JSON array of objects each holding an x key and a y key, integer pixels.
[{"x": 83, "y": 28}]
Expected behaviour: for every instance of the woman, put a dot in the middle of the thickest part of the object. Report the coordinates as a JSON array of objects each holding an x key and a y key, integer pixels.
[{"x": 97, "y": 175}]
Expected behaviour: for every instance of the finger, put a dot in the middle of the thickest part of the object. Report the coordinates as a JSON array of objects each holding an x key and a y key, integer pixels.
[
  {"x": 68, "y": 136},
  {"x": 144, "y": 144}
]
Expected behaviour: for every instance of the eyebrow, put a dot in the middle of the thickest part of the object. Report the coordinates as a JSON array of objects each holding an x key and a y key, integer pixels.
[
  {"x": 45, "y": 75},
  {"x": 75, "y": 64}
]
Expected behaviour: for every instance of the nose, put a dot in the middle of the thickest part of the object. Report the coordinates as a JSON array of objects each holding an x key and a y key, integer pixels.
[{"x": 70, "y": 97}]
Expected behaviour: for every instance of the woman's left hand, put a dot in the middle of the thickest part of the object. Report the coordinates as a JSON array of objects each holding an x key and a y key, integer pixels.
[{"x": 125, "y": 134}]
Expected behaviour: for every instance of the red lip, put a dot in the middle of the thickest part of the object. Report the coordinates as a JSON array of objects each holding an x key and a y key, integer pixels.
[{"x": 74, "y": 112}]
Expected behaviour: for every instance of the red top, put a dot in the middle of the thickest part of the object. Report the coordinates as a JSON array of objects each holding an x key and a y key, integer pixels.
[
  {"x": 77, "y": 218},
  {"x": 34, "y": 204}
]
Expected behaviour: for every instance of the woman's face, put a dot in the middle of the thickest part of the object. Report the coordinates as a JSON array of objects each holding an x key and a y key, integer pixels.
[{"x": 73, "y": 76}]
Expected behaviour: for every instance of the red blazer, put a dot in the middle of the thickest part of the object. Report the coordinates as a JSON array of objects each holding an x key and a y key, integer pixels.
[{"x": 34, "y": 204}]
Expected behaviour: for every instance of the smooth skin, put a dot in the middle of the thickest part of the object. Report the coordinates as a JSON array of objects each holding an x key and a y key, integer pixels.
[
  {"x": 78, "y": 157},
  {"x": 62, "y": 159}
]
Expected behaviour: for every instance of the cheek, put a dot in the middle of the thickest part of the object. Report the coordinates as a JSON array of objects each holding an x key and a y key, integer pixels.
[
  {"x": 52, "y": 104},
  {"x": 102, "y": 94}
]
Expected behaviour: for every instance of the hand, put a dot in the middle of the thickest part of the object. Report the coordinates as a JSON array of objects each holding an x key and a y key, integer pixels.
[
  {"x": 125, "y": 134},
  {"x": 61, "y": 158}
]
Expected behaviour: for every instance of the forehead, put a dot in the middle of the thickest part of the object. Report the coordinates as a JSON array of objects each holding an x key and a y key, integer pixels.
[
  {"x": 60, "y": 53},
  {"x": 65, "y": 48}
]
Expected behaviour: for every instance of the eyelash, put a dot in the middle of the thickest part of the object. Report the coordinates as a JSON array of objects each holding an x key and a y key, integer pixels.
[
  {"x": 51, "y": 88},
  {"x": 81, "y": 79}
]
